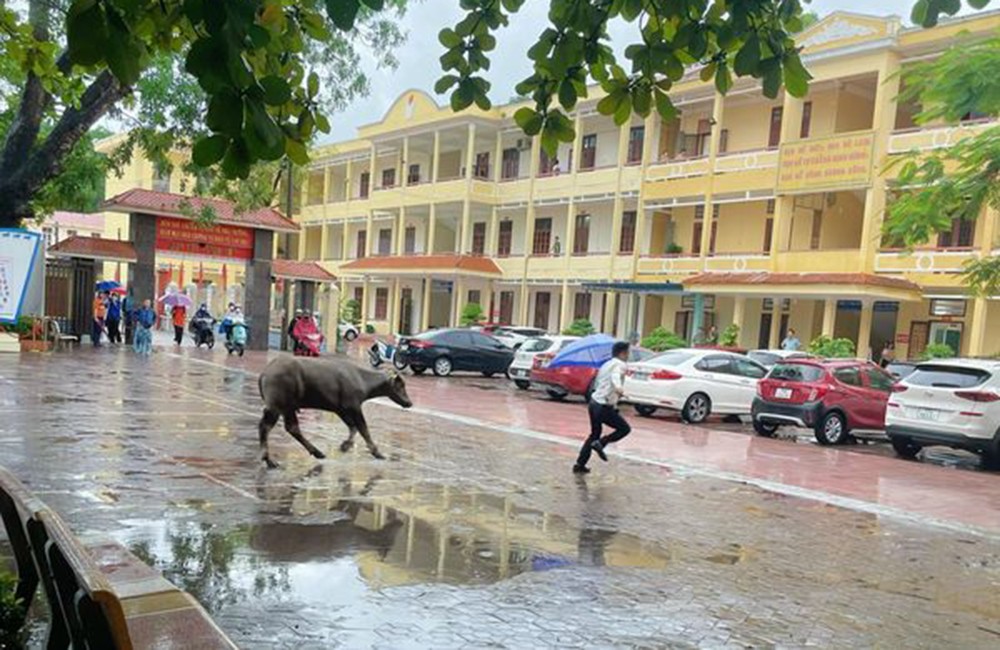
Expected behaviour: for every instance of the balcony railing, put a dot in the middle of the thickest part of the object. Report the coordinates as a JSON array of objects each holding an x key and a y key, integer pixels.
[
  {"x": 678, "y": 168},
  {"x": 925, "y": 139},
  {"x": 739, "y": 161},
  {"x": 930, "y": 260}
]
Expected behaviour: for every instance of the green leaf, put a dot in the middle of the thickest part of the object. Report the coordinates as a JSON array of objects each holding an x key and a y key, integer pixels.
[
  {"x": 796, "y": 77},
  {"x": 529, "y": 120},
  {"x": 313, "y": 85},
  {"x": 445, "y": 83},
  {"x": 86, "y": 32},
  {"x": 264, "y": 138},
  {"x": 208, "y": 151},
  {"x": 567, "y": 94},
  {"x": 225, "y": 113},
  {"x": 236, "y": 163},
  {"x": 124, "y": 51},
  {"x": 449, "y": 38},
  {"x": 664, "y": 106},
  {"x": 276, "y": 90},
  {"x": 343, "y": 13},
  {"x": 296, "y": 152},
  {"x": 748, "y": 57},
  {"x": 322, "y": 123}
]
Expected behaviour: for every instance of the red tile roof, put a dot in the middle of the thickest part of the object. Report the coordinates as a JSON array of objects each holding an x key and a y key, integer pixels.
[
  {"x": 173, "y": 205},
  {"x": 767, "y": 278},
  {"x": 95, "y": 248},
  {"x": 294, "y": 270},
  {"x": 460, "y": 264}
]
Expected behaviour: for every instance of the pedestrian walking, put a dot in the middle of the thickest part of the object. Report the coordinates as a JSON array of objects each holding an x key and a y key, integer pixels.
[
  {"x": 145, "y": 318},
  {"x": 128, "y": 316},
  {"x": 114, "y": 319},
  {"x": 603, "y": 408},
  {"x": 100, "y": 312},
  {"x": 178, "y": 315},
  {"x": 888, "y": 354}
]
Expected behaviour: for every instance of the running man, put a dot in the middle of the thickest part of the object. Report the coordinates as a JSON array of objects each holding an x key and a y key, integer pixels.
[{"x": 603, "y": 408}]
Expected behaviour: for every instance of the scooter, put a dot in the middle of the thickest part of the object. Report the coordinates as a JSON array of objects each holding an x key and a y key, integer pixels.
[
  {"x": 236, "y": 339},
  {"x": 381, "y": 352}
]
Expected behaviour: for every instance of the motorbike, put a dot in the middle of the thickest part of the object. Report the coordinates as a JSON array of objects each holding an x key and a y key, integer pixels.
[
  {"x": 236, "y": 336},
  {"x": 308, "y": 339},
  {"x": 381, "y": 352},
  {"x": 201, "y": 332}
]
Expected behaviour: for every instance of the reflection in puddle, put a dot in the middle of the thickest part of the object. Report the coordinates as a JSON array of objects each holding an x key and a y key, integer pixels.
[{"x": 321, "y": 538}]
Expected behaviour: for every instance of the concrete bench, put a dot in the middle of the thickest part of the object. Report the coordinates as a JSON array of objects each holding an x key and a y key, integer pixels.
[{"x": 99, "y": 594}]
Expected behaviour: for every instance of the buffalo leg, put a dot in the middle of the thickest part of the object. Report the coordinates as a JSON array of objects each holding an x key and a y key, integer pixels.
[
  {"x": 363, "y": 430},
  {"x": 267, "y": 422},
  {"x": 292, "y": 427},
  {"x": 352, "y": 429}
]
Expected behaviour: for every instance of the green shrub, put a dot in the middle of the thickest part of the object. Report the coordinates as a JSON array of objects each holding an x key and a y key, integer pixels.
[
  {"x": 674, "y": 249},
  {"x": 472, "y": 313},
  {"x": 579, "y": 327},
  {"x": 828, "y": 348},
  {"x": 730, "y": 336},
  {"x": 369, "y": 329},
  {"x": 937, "y": 351},
  {"x": 11, "y": 613},
  {"x": 352, "y": 312},
  {"x": 661, "y": 339}
]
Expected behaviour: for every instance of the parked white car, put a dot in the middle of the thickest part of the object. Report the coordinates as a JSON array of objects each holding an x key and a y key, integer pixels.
[
  {"x": 695, "y": 382},
  {"x": 524, "y": 359},
  {"x": 514, "y": 337},
  {"x": 348, "y": 332},
  {"x": 768, "y": 358},
  {"x": 950, "y": 402}
]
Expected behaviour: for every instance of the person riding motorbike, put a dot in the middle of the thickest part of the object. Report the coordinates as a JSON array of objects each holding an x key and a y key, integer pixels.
[
  {"x": 201, "y": 325},
  {"x": 306, "y": 335}
]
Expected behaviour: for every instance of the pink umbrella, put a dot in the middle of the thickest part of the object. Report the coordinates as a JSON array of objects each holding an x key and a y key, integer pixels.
[{"x": 177, "y": 300}]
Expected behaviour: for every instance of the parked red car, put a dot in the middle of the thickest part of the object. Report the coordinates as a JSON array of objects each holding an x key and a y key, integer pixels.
[
  {"x": 572, "y": 380},
  {"x": 832, "y": 397}
]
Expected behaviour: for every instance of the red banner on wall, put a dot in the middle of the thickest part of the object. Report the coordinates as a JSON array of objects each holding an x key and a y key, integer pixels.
[{"x": 191, "y": 238}]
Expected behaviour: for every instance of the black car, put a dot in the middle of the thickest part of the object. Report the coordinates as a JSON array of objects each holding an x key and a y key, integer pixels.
[{"x": 445, "y": 351}]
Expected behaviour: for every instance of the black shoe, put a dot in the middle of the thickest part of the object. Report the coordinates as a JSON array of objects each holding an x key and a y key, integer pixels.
[
  {"x": 598, "y": 448},
  {"x": 580, "y": 469}
]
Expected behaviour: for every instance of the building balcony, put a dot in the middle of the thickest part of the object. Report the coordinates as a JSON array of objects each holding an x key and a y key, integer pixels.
[
  {"x": 820, "y": 261},
  {"x": 746, "y": 261},
  {"x": 937, "y": 137},
  {"x": 934, "y": 260},
  {"x": 669, "y": 265}
]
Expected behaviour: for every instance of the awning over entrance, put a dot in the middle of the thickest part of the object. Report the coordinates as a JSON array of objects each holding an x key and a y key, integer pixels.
[
  {"x": 806, "y": 285},
  {"x": 179, "y": 206},
  {"x": 409, "y": 265},
  {"x": 94, "y": 248},
  {"x": 294, "y": 270},
  {"x": 635, "y": 287}
]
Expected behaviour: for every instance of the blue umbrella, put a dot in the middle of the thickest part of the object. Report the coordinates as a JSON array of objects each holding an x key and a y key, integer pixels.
[
  {"x": 590, "y": 351},
  {"x": 108, "y": 285}
]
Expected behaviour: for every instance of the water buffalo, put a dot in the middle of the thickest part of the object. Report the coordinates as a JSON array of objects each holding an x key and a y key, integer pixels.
[{"x": 288, "y": 384}]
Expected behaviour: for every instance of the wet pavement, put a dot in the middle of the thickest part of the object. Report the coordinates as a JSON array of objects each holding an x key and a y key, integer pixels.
[{"x": 475, "y": 534}]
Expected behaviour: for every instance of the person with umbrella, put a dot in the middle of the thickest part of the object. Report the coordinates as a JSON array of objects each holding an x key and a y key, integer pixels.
[
  {"x": 114, "y": 318},
  {"x": 100, "y": 308},
  {"x": 178, "y": 303},
  {"x": 603, "y": 408}
]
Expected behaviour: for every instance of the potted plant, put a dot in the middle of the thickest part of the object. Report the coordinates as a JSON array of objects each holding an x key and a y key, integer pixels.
[
  {"x": 579, "y": 327},
  {"x": 472, "y": 314},
  {"x": 661, "y": 339}
]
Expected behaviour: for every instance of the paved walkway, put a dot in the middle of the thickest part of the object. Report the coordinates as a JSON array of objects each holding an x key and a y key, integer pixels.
[{"x": 475, "y": 534}]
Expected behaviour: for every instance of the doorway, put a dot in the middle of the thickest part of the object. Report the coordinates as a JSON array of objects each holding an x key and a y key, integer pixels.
[
  {"x": 506, "y": 316},
  {"x": 543, "y": 303},
  {"x": 406, "y": 311},
  {"x": 883, "y": 328}
]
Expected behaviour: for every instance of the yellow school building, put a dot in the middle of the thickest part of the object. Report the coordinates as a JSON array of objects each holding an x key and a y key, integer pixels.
[{"x": 764, "y": 213}]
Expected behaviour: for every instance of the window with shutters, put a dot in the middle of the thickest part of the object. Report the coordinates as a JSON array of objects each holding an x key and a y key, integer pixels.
[
  {"x": 388, "y": 178},
  {"x": 817, "y": 230},
  {"x": 511, "y": 167},
  {"x": 359, "y": 295},
  {"x": 768, "y": 234},
  {"x": 505, "y": 238},
  {"x": 381, "y": 303},
  {"x": 581, "y": 235},
  {"x": 362, "y": 245},
  {"x": 636, "y": 137},
  {"x": 410, "y": 240},
  {"x": 588, "y": 153},
  {"x": 724, "y": 141},
  {"x": 385, "y": 241},
  {"x": 581, "y": 306},
  {"x": 699, "y": 226},
  {"x": 702, "y": 137},
  {"x": 714, "y": 230},
  {"x": 774, "y": 135},
  {"x": 364, "y": 185},
  {"x": 413, "y": 176},
  {"x": 542, "y": 240},
  {"x": 475, "y": 297},
  {"x": 807, "y": 111},
  {"x": 482, "y": 169},
  {"x": 627, "y": 242},
  {"x": 960, "y": 235},
  {"x": 479, "y": 238}
]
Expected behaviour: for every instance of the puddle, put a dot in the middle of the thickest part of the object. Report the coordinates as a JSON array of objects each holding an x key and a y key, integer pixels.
[
  {"x": 331, "y": 538},
  {"x": 65, "y": 399}
]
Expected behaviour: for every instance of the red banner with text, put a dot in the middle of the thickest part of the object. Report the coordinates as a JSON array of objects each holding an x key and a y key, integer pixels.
[{"x": 191, "y": 238}]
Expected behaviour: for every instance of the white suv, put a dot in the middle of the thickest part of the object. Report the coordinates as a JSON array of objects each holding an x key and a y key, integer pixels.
[
  {"x": 524, "y": 359},
  {"x": 950, "y": 402}
]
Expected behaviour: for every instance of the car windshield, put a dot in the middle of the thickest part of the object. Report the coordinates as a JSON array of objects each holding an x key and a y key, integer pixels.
[
  {"x": 671, "y": 358},
  {"x": 937, "y": 376},
  {"x": 536, "y": 345},
  {"x": 764, "y": 358},
  {"x": 429, "y": 334},
  {"x": 640, "y": 354},
  {"x": 796, "y": 372},
  {"x": 900, "y": 370}
]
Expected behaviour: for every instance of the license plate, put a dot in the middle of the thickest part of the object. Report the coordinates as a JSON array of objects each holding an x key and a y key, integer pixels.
[
  {"x": 783, "y": 393},
  {"x": 519, "y": 373},
  {"x": 640, "y": 376},
  {"x": 926, "y": 414},
  {"x": 404, "y": 346}
]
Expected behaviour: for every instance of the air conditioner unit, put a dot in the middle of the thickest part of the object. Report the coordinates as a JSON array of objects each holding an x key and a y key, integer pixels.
[{"x": 523, "y": 144}]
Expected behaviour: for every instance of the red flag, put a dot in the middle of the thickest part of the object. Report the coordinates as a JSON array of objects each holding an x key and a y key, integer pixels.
[
  {"x": 225, "y": 279},
  {"x": 201, "y": 273},
  {"x": 118, "y": 272},
  {"x": 180, "y": 283}
]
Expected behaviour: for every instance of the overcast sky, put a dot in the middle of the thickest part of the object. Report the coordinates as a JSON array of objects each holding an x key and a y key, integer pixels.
[{"x": 419, "y": 67}]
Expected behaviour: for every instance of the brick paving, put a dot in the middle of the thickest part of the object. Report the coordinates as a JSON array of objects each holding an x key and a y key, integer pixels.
[{"x": 467, "y": 536}]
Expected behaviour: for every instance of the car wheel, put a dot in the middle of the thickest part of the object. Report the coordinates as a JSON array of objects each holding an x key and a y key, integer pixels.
[
  {"x": 832, "y": 429},
  {"x": 645, "y": 410},
  {"x": 557, "y": 395},
  {"x": 418, "y": 370},
  {"x": 697, "y": 408},
  {"x": 765, "y": 429},
  {"x": 523, "y": 385},
  {"x": 350, "y": 335},
  {"x": 398, "y": 363},
  {"x": 442, "y": 366},
  {"x": 904, "y": 447},
  {"x": 488, "y": 374}
]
